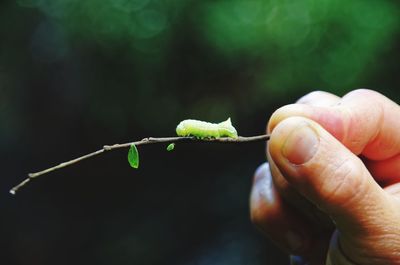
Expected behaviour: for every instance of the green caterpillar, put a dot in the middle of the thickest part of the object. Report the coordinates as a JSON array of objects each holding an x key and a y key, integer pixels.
[{"x": 202, "y": 129}]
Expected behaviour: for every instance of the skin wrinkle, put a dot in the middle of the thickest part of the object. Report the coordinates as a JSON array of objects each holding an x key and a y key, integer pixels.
[
  {"x": 364, "y": 255},
  {"x": 385, "y": 236},
  {"x": 365, "y": 219},
  {"x": 378, "y": 226},
  {"x": 388, "y": 241},
  {"x": 332, "y": 193}
]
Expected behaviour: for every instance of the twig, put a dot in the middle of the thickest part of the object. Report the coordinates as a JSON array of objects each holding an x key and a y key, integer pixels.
[{"x": 144, "y": 141}]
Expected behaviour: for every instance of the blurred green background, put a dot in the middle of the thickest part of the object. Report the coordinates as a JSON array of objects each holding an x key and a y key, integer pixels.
[{"x": 75, "y": 75}]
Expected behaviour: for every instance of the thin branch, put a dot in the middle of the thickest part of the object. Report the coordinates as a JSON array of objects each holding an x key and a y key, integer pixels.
[{"x": 144, "y": 141}]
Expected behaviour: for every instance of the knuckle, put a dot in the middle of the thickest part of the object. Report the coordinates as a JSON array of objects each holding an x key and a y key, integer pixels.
[
  {"x": 319, "y": 99},
  {"x": 341, "y": 182},
  {"x": 311, "y": 96},
  {"x": 364, "y": 114},
  {"x": 362, "y": 92}
]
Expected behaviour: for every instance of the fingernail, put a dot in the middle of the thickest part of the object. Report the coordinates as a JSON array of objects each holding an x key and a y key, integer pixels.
[
  {"x": 301, "y": 145},
  {"x": 294, "y": 241}
]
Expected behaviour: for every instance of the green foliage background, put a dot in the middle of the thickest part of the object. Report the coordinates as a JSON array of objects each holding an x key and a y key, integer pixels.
[
  {"x": 77, "y": 74},
  {"x": 206, "y": 59}
]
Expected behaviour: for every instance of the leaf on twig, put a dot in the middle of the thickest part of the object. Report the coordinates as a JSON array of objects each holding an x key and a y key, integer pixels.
[
  {"x": 171, "y": 147},
  {"x": 133, "y": 156}
]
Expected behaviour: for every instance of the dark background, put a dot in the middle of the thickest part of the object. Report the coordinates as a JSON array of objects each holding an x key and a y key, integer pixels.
[{"x": 75, "y": 75}]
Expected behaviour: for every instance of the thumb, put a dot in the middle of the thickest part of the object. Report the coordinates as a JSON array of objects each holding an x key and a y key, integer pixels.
[{"x": 325, "y": 172}]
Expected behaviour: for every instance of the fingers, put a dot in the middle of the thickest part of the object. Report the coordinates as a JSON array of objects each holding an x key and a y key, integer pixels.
[
  {"x": 308, "y": 160},
  {"x": 326, "y": 173},
  {"x": 364, "y": 121},
  {"x": 282, "y": 223}
]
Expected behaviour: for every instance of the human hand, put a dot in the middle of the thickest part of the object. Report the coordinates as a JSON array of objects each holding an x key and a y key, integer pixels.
[{"x": 319, "y": 197}]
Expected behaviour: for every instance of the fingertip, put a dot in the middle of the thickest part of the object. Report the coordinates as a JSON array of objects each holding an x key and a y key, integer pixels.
[{"x": 287, "y": 112}]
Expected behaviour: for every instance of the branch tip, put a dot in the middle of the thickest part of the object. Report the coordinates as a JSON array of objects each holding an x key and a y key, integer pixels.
[{"x": 147, "y": 140}]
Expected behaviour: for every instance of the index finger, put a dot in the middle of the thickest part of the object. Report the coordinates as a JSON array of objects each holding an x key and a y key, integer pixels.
[{"x": 365, "y": 121}]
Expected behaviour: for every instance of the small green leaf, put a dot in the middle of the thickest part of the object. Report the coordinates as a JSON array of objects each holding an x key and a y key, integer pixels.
[
  {"x": 171, "y": 147},
  {"x": 133, "y": 156}
]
